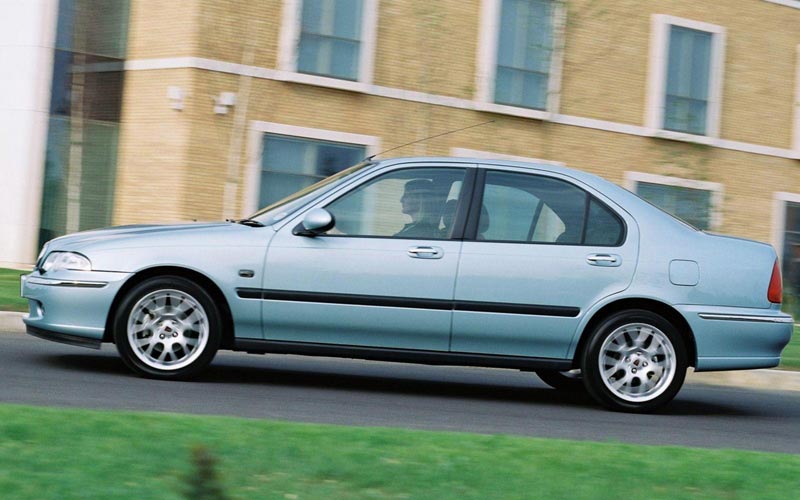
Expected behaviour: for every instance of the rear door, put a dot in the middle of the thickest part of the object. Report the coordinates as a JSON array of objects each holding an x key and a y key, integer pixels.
[{"x": 540, "y": 250}]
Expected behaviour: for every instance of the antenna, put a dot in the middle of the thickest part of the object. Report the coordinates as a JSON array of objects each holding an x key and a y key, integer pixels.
[{"x": 369, "y": 158}]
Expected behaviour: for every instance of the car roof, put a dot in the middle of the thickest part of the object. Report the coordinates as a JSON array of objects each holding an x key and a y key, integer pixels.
[{"x": 590, "y": 179}]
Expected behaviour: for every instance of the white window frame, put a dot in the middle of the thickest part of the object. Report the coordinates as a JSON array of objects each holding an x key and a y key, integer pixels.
[
  {"x": 788, "y": 3},
  {"x": 290, "y": 39},
  {"x": 657, "y": 78},
  {"x": 488, "y": 40},
  {"x": 488, "y": 155},
  {"x": 717, "y": 198},
  {"x": 796, "y": 141},
  {"x": 779, "y": 201},
  {"x": 255, "y": 147}
]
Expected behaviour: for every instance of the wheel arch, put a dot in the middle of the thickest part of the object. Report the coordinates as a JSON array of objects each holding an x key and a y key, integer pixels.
[
  {"x": 197, "y": 277},
  {"x": 664, "y": 310}
]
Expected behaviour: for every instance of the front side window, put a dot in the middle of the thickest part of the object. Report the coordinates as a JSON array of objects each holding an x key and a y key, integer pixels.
[
  {"x": 289, "y": 164},
  {"x": 527, "y": 208},
  {"x": 524, "y": 53},
  {"x": 410, "y": 203},
  {"x": 688, "y": 204},
  {"x": 688, "y": 78},
  {"x": 330, "y": 38}
]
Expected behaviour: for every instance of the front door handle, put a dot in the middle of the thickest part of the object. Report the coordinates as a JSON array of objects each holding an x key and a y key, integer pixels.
[
  {"x": 604, "y": 260},
  {"x": 425, "y": 252}
]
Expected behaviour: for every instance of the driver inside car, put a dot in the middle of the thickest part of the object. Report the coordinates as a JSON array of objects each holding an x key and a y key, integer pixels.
[{"x": 418, "y": 201}]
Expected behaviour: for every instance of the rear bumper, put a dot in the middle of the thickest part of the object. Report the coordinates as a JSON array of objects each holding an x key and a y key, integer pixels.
[{"x": 736, "y": 338}]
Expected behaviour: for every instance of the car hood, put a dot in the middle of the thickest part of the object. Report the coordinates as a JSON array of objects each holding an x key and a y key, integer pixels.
[{"x": 134, "y": 235}]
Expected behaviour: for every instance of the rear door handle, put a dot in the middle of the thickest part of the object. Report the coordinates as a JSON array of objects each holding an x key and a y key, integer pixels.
[
  {"x": 425, "y": 252},
  {"x": 604, "y": 260}
]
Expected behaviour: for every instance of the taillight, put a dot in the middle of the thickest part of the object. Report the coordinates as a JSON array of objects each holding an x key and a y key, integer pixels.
[{"x": 775, "y": 290}]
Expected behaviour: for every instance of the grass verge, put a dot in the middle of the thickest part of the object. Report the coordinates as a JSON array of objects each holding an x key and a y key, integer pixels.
[
  {"x": 9, "y": 291},
  {"x": 790, "y": 358},
  {"x": 54, "y": 453}
]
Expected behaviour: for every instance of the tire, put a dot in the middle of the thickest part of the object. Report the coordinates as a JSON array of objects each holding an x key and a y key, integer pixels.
[
  {"x": 567, "y": 381},
  {"x": 167, "y": 328},
  {"x": 634, "y": 361}
]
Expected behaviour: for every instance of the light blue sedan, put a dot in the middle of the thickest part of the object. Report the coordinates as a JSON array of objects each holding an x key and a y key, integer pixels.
[{"x": 429, "y": 260}]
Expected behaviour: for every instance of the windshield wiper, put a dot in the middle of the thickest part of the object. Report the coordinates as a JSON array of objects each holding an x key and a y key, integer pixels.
[{"x": 246, "y": 222}]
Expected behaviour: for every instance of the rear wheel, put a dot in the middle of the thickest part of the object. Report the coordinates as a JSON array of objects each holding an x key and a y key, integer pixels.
[
  {"x": 567, "y": 381},
  {"x": 634, "y": 361},
  {"x": 167, "y": 327}
]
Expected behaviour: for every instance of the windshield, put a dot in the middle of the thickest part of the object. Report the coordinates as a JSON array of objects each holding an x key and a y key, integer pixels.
[{"x": 282, "y": 208}]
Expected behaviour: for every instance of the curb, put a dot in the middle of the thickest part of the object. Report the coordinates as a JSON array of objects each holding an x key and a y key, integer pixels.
[
  {"x": 775, "y": 380},
  {"x": 11, "y": 322}
]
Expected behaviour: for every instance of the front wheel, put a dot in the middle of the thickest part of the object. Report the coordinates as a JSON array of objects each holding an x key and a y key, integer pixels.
[
  {"x": 168, "y": 328},
  {"x": 634, "y": 361}
]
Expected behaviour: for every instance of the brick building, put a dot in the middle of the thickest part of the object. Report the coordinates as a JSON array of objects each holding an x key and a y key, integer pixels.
[{"x": 227, "y": 106}]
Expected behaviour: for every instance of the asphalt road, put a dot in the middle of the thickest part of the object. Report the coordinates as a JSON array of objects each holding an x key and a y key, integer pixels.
[{"x": 350, "y": 392}]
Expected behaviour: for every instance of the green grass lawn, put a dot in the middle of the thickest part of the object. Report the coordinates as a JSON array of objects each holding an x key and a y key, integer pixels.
[
  {"x": 54, "y": 453},
  {"x": 9, "y": 291}
]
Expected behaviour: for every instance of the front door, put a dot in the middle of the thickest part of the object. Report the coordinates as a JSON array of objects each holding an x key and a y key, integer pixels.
[
  {"x": 543, "y": 250},
  {"x": 384, "y": 276}
]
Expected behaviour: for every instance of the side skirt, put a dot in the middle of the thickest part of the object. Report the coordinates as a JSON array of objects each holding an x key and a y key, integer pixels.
[{"x": 255, "y": 346}]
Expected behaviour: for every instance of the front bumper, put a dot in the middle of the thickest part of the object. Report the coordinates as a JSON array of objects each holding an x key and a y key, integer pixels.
[
  {"x": 730, "y": 338},
  {"x": 64, "y": 338},
  {"x": 70, "y": 305}
]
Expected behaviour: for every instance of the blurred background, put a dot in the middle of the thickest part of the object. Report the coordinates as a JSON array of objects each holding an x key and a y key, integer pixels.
[{"x": 135, "y": 111}]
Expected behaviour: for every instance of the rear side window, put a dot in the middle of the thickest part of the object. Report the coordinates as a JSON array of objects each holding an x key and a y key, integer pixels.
[
  {"x": 527, "y": 208},
  {"x": 604, "y": 227}
]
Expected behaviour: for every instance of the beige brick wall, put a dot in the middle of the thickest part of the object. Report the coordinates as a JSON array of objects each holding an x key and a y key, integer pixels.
[
  {"x": 177, "y": 161},
  {"x": 152, "y": 165},
  {"x": 432, "y": 47},
  {"x": 607, "y": 57},
  {"x": 163, "y": 29},
  {"x": 428, "y": 46}
]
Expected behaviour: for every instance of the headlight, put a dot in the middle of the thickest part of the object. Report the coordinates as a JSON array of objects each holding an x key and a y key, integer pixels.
[{"x": 57, "y": 261}]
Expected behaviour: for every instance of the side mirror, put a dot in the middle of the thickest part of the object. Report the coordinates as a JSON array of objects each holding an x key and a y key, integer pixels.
[{"x": 315, "y": 222}]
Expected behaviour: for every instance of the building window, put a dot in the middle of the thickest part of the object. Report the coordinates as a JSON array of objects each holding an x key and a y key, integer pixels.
[
  {"x": 289, "y": 164},
  {"x": 787, "y": 243},
  {"x": 324, "y": 41},
  {"x": 688, "y": 204},
  {"x": 698, "y": 203},
  {"x": 688, "y": 68},
  {"x": 330, "y": 38},
  {"x": 685, "y": 76},
  {"x": 791, "y": 247},
  {"x": 285, "y": 159},
  {"x": 519, "y": 63},
  {"x": 797, "y": 105},
  {"x": 84, "y": 117},
  {"x": 787, "y": 3},
  {"x": 524, "y": 50}
]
